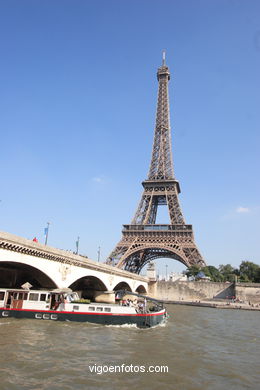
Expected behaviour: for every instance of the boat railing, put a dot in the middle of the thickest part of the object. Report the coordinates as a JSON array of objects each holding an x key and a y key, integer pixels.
[{"x": 157, "y": 302}]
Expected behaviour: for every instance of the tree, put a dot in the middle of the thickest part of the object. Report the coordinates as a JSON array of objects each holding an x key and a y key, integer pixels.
[
  {"x": 249, "y": 272},
  {"x": 213, "y": 273},
  {"x": 227, "y": 272},
  {"x": 192, "y": 270},
  {"x": 257, "y": 276}
]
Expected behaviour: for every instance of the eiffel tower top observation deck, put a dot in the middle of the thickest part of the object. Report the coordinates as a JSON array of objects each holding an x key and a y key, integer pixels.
[{"x": 144, "y": 240}]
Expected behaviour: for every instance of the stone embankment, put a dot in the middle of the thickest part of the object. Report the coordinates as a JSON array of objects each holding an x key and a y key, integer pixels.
[
  {"x": 192, "y": 291},
  {"x": 228, "y": 304},
  {"x": 244, "y": 296}
]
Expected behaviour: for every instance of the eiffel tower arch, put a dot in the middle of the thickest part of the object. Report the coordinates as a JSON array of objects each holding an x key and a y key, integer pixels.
[{"x": 143, "y": 240}]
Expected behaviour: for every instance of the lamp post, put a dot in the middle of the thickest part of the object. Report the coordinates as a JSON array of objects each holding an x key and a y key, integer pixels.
[
  {"x": 166, "y": 274},
  {"x": 98, "y": 253}
]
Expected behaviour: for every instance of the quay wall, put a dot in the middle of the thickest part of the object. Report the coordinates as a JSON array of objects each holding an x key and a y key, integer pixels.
[
  {"x": 249, "y": 292},
  {"x": 194, "y": 291},
  {"x": 191, "y": 291}
]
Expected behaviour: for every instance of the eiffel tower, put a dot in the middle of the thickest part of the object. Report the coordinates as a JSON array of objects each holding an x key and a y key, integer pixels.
[{"x": 144, "y": 240}]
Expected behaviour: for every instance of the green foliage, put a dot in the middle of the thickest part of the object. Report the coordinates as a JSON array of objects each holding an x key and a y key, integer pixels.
[
  {"x": 257, "y": 276},
  {"x": 82, "y": 300},
  {"x": 192, "y": 271},
  {"x": 213, "y": 273},
  {"x": 249, "y": 272},
  {"x": 227, "y": 272}
]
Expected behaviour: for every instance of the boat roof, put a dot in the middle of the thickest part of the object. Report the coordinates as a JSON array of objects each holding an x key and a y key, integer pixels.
[
  {"x": 126, "y": 292},
  {"x": 50, "y": 291},
  {"x": 62, "y": 291}
]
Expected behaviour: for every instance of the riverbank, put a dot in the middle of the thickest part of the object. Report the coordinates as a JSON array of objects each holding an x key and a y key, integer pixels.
[
  {"x": 211, "y": 294},
  {"x": 217, "y": 304}
]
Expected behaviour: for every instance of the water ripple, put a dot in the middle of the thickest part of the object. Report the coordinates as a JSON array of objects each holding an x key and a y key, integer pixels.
[{"x": 203, "y": 349}]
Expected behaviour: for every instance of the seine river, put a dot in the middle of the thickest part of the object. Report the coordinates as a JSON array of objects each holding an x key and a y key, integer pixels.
[{"x": 201, "y": 348}]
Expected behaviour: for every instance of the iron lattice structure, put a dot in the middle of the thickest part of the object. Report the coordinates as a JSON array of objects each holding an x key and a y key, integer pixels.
[{"x": 144, "y": 240}]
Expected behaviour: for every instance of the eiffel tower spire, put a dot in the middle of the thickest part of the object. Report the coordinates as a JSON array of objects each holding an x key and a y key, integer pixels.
[
  {"x": 161, "y": 164},
  {"x": 161, "y": 188},
  {"x": 144, "y": 240}
]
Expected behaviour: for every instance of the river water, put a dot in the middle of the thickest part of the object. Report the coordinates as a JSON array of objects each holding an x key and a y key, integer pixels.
[{"x": 201, "y": 348}]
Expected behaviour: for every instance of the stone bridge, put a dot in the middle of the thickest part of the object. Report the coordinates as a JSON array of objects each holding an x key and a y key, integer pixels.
[{"x": 23, "y": 260}]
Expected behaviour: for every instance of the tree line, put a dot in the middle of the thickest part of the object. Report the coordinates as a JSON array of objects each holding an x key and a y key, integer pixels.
[{"x": 246, "y": 272}]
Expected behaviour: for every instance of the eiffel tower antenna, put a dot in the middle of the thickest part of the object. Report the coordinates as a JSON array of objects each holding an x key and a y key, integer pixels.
[{"x": 144, "y": 240}]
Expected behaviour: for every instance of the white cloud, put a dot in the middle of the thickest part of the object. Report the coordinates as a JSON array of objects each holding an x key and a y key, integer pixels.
[
  {"x": 241, "y": 210},
  {"x": 97, "y": 179}
]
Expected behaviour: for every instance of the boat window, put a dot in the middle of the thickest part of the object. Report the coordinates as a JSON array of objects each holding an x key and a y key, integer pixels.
[
  {"x": 15, "y": 295},
  {"x": 75, "y": 307},
  {"x": 25, "y": 296},
  {"x": 107, "y": 309},
  {"x": 46, "y": 316},
  {"x": 38, "y": 316},
  {"x": 20, "y": 296},
  {"x": 91, "y": 308},
  {"x": 33, "y": 297},
  {"x": 54, "y": 317},
  {"x": 99, "y": 308},
  {"x": 2, "y": 295},
  {"x": 43, "y": 297}
]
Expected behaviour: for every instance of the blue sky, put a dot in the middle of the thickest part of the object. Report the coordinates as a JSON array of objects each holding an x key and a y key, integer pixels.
[{"x": 77, "y": 111}]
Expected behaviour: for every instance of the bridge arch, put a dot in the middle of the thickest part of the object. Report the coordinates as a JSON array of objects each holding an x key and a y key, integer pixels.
[
  {"x": 141, "y": 289},
  {"x": 122, "y": 286},
  {"x": 15, "y": 274},
  {"x": 88, "y": 285}
]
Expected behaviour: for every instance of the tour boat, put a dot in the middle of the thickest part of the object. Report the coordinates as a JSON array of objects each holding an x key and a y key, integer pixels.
[{"x": 65, "y": 305}]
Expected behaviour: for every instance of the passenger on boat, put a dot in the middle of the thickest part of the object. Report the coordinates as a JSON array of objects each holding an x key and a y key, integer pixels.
[
  {"x": 141, "y": 307},
  {"x": 68, "y": 298}
]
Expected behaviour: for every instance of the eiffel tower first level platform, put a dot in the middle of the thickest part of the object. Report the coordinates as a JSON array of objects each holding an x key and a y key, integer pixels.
[{"x": 143, "y": 240}]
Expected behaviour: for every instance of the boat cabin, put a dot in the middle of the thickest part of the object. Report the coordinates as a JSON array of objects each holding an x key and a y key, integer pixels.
[{"x": 35, "y": 299}]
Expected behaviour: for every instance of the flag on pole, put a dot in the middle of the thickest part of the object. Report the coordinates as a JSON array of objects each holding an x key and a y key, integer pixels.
[
  {"x": 46, "y": 232},
  {"x": 77, "y": 246}
]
